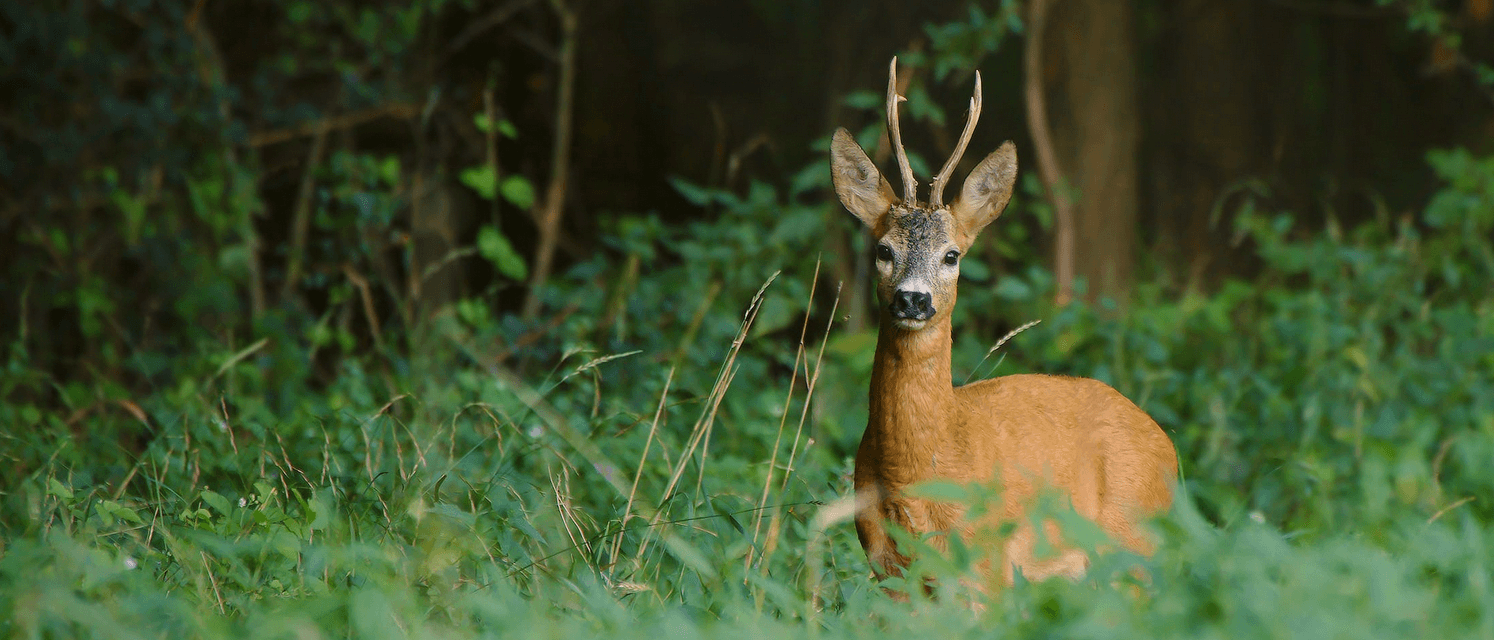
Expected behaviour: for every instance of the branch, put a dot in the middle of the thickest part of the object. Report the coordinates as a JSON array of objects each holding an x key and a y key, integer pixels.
[
  {"x": 555, "y": 196},
  {"x": 1047, "y": 159},
  {"x": 477, "y": 27},
  {"x": 301, "y": 222},
  {"x": 345, "y": 121}
]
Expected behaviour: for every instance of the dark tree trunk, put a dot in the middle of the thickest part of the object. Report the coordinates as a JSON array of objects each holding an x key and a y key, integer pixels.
[{"x": 1092, "y": 80}]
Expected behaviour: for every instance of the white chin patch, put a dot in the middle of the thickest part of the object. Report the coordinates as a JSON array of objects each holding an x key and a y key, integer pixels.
[{"x": 909, "y": 325}]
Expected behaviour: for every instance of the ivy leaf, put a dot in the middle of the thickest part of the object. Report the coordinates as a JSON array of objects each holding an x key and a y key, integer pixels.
[
  {"x": 692, "y": 193},
  {"x": 518, "y": 191},
  {"x": 496, "y": 248},
  {"x": 480, "y": 179},
  {"x": 389, "y": 170}
]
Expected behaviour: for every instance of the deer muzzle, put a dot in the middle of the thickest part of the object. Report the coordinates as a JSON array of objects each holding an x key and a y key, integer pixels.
[{"x": 912, "y": 305}]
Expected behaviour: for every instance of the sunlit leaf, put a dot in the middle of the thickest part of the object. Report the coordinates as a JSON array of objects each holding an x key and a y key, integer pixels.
[{"x": 492, "y": 244}]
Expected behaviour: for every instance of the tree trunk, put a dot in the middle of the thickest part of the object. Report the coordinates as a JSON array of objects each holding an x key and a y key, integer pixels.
[
  {"x": 1091, "y": 47},
  {"x": 1207, "y": 110}
]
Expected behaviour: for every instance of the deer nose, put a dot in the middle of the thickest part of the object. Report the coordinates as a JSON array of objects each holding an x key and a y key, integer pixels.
[{"x": 912, "y": 305}]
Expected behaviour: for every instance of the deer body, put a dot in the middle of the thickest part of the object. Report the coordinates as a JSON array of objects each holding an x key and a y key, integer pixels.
[{"x": 1031, "y": 433}]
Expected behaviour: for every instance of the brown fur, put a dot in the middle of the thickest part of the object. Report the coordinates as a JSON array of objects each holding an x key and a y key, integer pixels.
[{"x": 1032, "y": 433}]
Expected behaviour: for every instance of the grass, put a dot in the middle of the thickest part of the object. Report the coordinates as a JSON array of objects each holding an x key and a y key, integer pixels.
[{"x": 639, "y": 494}]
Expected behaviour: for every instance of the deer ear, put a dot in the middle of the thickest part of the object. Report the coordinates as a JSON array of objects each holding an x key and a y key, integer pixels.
[
  {"x": 862, "y": 189},
  {"x": 986, "y": 191}
]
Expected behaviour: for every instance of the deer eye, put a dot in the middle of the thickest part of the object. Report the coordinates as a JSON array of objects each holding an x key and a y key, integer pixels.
[
  {"x": 952, "y": 258},
  {"x": 884, "y": 253}
]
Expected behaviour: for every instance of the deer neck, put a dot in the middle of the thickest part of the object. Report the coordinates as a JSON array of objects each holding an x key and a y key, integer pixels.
[{"x": 911, "y": 401}]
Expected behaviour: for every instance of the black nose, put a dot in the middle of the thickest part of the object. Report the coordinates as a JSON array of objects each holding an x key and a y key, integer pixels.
[{"x": 912, "y": 305}]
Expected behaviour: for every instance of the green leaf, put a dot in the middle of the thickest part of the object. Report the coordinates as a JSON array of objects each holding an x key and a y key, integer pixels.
[
  {"x": 726, "y": 513},
  {"x": 518, "y": 191},
  {"x": 694, "y": 194},
  {"x": 811, "y": 177},
  {"x": 216, "y": 501},
  {"x": 321, "y": 510},
  {"x": 506, "y": 128},
  {"x": 939, "y": 490},
  {"x": 688, "y": 555},
  {"x": 389, "y": 170},
  {"x": 480, "y": 179},
  {"x": 120, "y": 511},
  {"x": 133, "y": 210},
  {"x": 1013, "y": 289},
  {"x": 975, "y": 270},
  {"x": 299, "y": 12},
  {"x": 56, "y": 488},
  {"x": 496, "y": 248},
  {"x": 869, "y": 100}
]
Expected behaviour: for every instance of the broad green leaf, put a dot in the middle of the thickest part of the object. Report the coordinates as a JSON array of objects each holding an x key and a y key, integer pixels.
[
  {"x": 518, "y": 191},
  {"x": 480, "y": 179},
  {"x": 216, "y": 501},
  {"x": 491, "y": 244},
  {"x": 389, "y": 170},
  {"x": 57, "y": 489}
]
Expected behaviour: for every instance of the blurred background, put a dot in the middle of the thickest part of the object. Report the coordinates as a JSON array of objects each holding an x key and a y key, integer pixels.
[
  {"x": 274, "y": 150},
  {"x": 321, "y": 256}
]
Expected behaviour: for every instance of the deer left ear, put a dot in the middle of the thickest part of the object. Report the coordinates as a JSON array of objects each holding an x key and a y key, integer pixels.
[
  {"x": 862, "y": 189},
  {"x": 986, "y": 192}
]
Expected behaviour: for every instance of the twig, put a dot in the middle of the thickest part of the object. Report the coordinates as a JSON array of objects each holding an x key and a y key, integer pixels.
[
  {"x": 809, "y": 392},
  {"x": 301, "y": 223},
  {"x": 1337, "y": 9},
  {"x": 555, "y": 196},
  {"x": 652, "y": 429},
  {"x": 701, "y": 431},
  {"x": 336, "y": 123},
  {"x": 228, "y": 424},
  {"x": 842, "y": 509},
  {"x": 210, "y": 70},
  {"x": 534, "y": 335},
  {"x": 239, "y": 357},
  {"x": 1448, "y": 508},
  {"x": 788, "y": 399},
  {"x": 490, "y": 111},
  {"x": 1042, "y": 142},
  {"x": 368, "y": 308},
  {"x": 435, "y": 267},
  {"x": 477, "y": 27},
  {"x": 688, "y": 337}
]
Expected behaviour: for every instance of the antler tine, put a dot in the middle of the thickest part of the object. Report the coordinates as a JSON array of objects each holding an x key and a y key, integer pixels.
[
  {"x": 910, "y": 187},
  {"x": 936, "y": 195}
]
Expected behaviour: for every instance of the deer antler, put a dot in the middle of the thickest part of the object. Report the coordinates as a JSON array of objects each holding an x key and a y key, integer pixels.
[
  {"x": 910, "y": 187},
  {"x": 936, "y": 195}
]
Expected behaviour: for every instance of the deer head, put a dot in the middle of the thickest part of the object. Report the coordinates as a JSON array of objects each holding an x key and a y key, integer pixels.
[{"x": 918, "y": 245}]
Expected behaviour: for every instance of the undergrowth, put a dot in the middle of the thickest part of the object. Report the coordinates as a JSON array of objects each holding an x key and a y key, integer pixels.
[{"x": 1334, "y": 418}]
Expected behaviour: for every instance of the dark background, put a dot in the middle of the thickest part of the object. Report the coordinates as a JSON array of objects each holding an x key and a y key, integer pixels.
[{"x": 240, "y": 143}]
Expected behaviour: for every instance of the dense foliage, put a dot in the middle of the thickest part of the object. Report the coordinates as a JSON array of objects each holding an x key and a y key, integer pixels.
[{"x": 663, "y": 450}]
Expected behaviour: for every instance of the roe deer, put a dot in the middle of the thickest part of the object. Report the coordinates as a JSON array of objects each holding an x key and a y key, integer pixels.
[{"x": 1032, "y": 433}]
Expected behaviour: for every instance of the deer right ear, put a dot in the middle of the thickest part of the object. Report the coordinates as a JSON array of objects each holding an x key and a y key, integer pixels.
[
  {"x": 862, "y": 189},
  {"x": 987, "y": 190}
]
